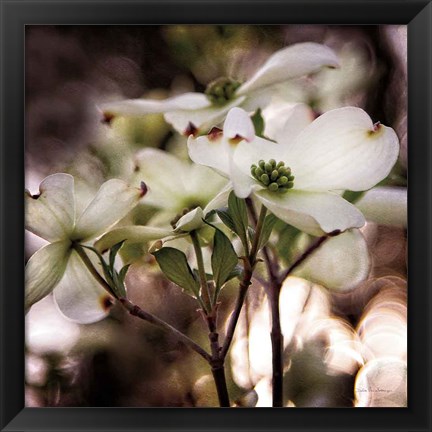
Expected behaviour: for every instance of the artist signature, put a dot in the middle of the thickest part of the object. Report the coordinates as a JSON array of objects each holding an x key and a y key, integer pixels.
[{"x": 372, "y": 390}]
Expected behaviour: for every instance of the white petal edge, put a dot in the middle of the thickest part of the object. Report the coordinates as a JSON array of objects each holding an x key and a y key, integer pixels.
[
  {"x": 220, "y": 200},
  {"x": 342, "y": 149},
  {"x": 44, "y": 270},
  {"x": 202, "y": 119},
  {"x": 285, "y": 121},
  {"x": 213, "y": 152},
  {"x": 131, "y": 234},
  {"x": 78, "y": 296},
  {"x": 385, "y": 205},
  {"x": 315, "y": 213},
  {"x": 190, "y": 221},
  {"x": 139, "y": 107},
  {"x": 51, "y": 214},
  {"x": 290, "y": 62},
  {"x": 339, "y": 264},
  {"x": 238, "y": 124},
  {"x": 114, "y": 200}
]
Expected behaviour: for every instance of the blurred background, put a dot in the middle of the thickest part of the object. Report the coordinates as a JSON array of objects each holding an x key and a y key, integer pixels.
[{"x": 343, "y": 348}]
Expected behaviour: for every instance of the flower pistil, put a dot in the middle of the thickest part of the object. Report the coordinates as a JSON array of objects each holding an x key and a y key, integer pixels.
[{"x": 274, "y": 176}]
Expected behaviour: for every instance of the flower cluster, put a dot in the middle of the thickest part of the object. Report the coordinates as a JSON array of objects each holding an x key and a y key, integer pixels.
[{"x": 252, "y": 170}]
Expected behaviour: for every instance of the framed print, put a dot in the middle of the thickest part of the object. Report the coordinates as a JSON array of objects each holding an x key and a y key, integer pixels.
[{"x": 217, "y": 217}]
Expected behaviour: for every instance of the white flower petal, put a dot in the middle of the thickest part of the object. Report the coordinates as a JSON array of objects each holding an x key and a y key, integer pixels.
[
  {"x": 315, "y": 213},
  {"x": 340, "y": 264},
  {"x": 190, "y": 101},
  {"x": 163, "y": 174},
  {"x": 248, "y": 153},
  {"x": 114, "y": 200},
  {"x": 220, "y": 200},
  {"x": 131, "y": 234},
  {"x": 78, "y": 296},
  {"x": 139, "y": 107},
  {"x": 201, "y": 119},
  {"x": 242, "y": 183},
  {"x": 51, "y": 214},
  {"x": 293, "y": 61},
  {"x": 194, "y": 178},
  {"x": 210, "y": 151},
  {"x": 385, "y": 205},
  {"x": 284, "y": 121},
  {"x": 190, "y": 221},
  {"x": 257, "y": 99},
  {"x": 342, "y": 150},
  {"x": 44, "y": 270},
  {"x": 239, "y": 124}
]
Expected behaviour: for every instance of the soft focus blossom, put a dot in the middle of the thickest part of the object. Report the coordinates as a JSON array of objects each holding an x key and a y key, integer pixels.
[
  {"x": 298, "y": 178},
  {"x": 57, "y": 266},
  {"x": 195, "y": 111},
  {"x": 339, "y": 264},
  {"x": 174, "y": 185},
  {"x": 330, "y": 89},
  {"x": 385, "y": 205}
]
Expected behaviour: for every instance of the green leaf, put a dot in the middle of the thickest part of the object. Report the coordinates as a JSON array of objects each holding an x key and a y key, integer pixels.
[
  {"x": 226, "y": 218},
  {"x": 106, "y": 269},
  {"x": 209, "y": 277},
  {"x": 235, "y": 273},
  {"x": 286, "y": 244},
  {"x": 175, "y": 267},
  {"x": 123, "y": 271},
  {"x": 251, "y": 233},
  {"x": 223, "y": 259},
  {"x": 113, "y": 253},
  {"x": 269, "y": 223},
  {"x": 238, "y": 212},
  {"x": 118, "y": 286},
  {"x": 258, "y": 122}
]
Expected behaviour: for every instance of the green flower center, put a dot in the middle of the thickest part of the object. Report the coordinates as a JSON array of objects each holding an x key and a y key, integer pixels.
[
  {"x": 221, "y": 90},
  {"x": 276, "y": 177}
]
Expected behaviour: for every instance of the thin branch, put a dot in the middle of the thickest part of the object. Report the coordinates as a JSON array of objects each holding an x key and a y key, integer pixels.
[
  {"x": 135, "y": 310},
  {"x": 243, "y": 287},
  {"x": 205, "y": 290},
  {"x": 248, "y": 266},
  {"x": 257, "y": 237},
  {"x": 314, "y": 246}
]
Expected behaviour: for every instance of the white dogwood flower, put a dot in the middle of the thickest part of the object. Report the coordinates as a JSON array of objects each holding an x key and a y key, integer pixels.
[
  {"x": 182, "y": 191},
  {"x": 190, "y": 112},
  {"x": 298, "y": 177},
  {"x": 57, "y": 266}
]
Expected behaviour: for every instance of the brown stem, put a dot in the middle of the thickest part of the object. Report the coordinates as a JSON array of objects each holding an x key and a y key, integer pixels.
[
  {"x": 205, "y": 290},
  {"x": 318, "y": 242},
  {"x": 248, "y": 266},
  {"x": 135, "y": 310},
  {"x": 218, "y": 368},
  {"x": 221, "y": 386},
  {"x": 276, "y": 335},
  {"x": 277, "y": 347},
  {"x": 243, "y": 287}
]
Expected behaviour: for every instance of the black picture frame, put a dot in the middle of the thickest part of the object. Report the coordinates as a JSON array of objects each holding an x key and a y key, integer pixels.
[{"x": 15, "y": 14}]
